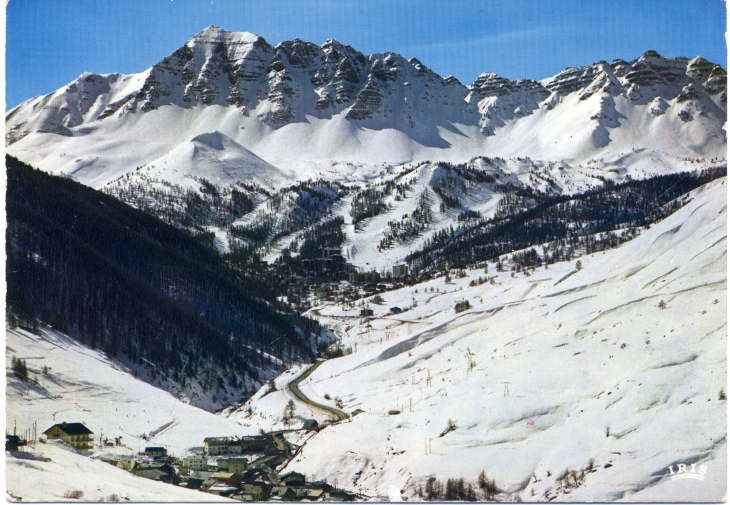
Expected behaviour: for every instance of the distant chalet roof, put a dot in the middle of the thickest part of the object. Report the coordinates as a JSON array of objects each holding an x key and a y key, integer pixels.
[
  {"x": 71, "y": 429},
  {"x": 218, "y": 440}
]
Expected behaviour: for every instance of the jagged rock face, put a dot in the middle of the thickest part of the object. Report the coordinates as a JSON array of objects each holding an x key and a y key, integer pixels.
[
  {"x": 297, "y": 79},
  {"x": 573, "y": 79},
  {"x": 711, "y": 75},
  {"x": 651, "y": 71},
  {"x": 650, "y": 80},
  {"x": 338, "y": 78},
  {"x": 501, "y": 100}
]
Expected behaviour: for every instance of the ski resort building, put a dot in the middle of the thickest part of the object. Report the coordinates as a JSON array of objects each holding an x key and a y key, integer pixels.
[
  {"x": 195, "y": 462},
  {"x": 155, "y": 452},
  {"x": 255, "y": 444},
  {"x": 233, "y": 465},
  {"x": 76, "y": 434},
  {"x": 331, "y": 253},
  {"x": 400, "y": 270},
  {"x": 215, "y": 446}
]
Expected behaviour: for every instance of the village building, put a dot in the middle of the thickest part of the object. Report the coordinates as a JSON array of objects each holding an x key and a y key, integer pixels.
[
  {"x": 255, "y": 444},
  {"x": 293, "y": 479},
  {"x": 230, "y": 478},
  {"x": 155, "y": 452},
  {"x": 194, "y": 462},
  {"x": 194, "y": 483},
  {"x": 400, "y": 270},
  {"x": 222, "y": 489},
  {"x": 234, "y": 465},
  {"x": 76, "y": 434},
  {"x": 125, "y": 464},
  {"x": 256, "y": 491},
  {"x": 216, "y": 446},
  {"x": 160, "y": 472},
  {"x": 150, "y": 473},
  {"x": 314, "y": 494},
  {"x": 196, "y": 478},
  {"x": 283, "y": 493},
  {"x": 220, "y": 481},
  {"x": 254, "y": 474}
]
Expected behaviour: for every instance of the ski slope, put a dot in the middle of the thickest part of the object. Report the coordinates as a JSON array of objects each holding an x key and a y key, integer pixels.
[
  {"x": 84, "y": 385},
  {"x": 571, "y": 367}
]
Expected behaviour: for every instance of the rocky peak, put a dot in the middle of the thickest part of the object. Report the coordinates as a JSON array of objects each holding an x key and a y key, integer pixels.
[
  {"x": 338, "y": 77},
  {"x": 573, "y": 79},
  {"x": 491, "y": 84},
  {"x": 298, "y": 53},
  {"x": 215, "y": 34},
  {"x": 711, "y": 75},
  {"x": 500, "y": 99},
  {"x": 620, "y": 67},
  {"x": 652, "y": 69}
]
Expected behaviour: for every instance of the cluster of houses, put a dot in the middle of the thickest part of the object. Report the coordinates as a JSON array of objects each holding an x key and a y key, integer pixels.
[
  {"x": 242, "y": 468},
  {"x": 260, "y": 484}
]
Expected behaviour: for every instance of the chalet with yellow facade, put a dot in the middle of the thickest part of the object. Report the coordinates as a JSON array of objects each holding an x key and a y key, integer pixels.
[{"x": 76, "y": 434}]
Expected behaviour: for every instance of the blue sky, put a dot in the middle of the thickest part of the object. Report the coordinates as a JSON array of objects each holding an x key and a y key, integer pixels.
[{"x": 50, "y": 42}]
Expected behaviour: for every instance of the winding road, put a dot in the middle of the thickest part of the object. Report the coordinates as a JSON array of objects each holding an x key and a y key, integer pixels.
[{"x": 294, "y": 388}]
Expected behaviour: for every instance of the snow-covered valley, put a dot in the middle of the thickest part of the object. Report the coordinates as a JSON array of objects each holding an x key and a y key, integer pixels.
[{"x": 544, "y": 375}]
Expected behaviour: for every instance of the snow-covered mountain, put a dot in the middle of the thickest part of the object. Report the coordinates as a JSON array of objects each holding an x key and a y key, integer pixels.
[
  {"x": 302, "y": 107},
  {"x": 230, "y": 116}
]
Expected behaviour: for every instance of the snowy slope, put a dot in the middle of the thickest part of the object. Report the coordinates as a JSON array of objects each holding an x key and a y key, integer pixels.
[
  {"x": 39, "y": 480},
  {"x": 596, "y": 371},
  {"x": 83, "y": 385},
  {"x": 218, "y": 159}
]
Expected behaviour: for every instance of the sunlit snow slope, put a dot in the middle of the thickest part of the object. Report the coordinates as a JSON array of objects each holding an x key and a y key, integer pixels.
[
  {"x": 83, "y": 385},
  {"x": 574, "y": 369}
]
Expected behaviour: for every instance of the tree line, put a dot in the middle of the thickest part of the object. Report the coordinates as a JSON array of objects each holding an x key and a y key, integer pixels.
[{"x": 588, "y": 222}]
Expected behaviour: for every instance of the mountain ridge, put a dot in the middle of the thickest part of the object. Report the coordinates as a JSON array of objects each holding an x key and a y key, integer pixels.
[{"x": 263, "y": 89}]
